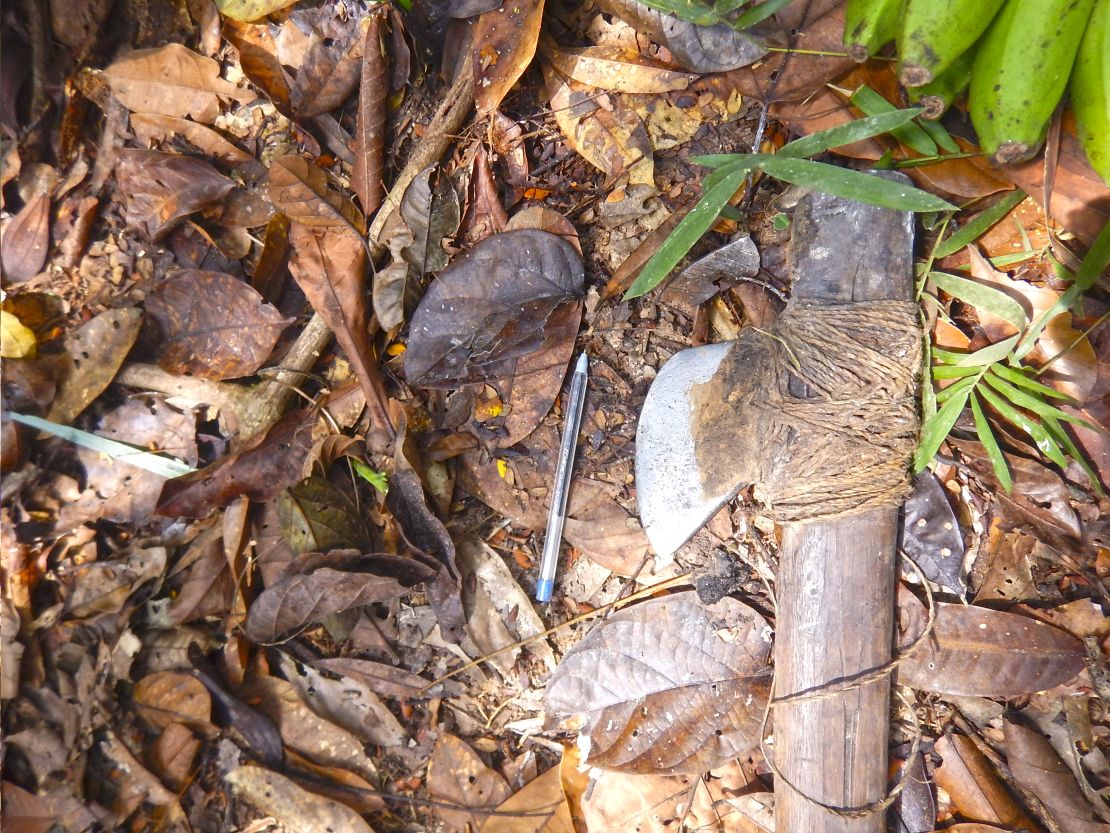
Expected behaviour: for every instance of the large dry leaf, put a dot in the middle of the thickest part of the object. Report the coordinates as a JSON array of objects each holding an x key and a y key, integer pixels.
[
  {"x": 26, "y": 240},
  {"x": 301, "y": 191},
  {"x": 457, "y": 776},
  {"x": 489, "y": 307},
  {"x": 316, "y": 585},
  {"x": 161, "y": 189},
  {"x": 931, "y": 534},
  {"x": 316, "y": 516},
  {"x": 332, "y": 63},
  {"x": 609, "y": 68},
  {"x": 152, "y": 127},
  {"x": 259, "y": 61},
  {"x": 980, "y": 652},
  {"x": 387, "y": 680},
  {"x": 296, "y": 808},
  {"x": 98, "y": 349},
  {"x": 168, "y": 697},
  {"x": 976, "y": 791},
  {"x": 105, "y": 586},
  {"x": 1038, "y": 768},
  {"x": 504, "y": 43},
  {"x": 213, "y": 325},
  {"x": 669, "y": 685},
  {"x": 173, "y": 81},
  {"x": 369, "y": 150},
  {"x": 541, "y": 807},
  {"x": 261, "y": 471}
]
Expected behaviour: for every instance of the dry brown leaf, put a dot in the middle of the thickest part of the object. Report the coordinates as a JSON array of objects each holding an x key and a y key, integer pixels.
[
  {"x": 160, "y": 190},
  {"x": 213, "y": 325},
  {"x": 484, "y": 213},
  {"x": 172, "y": 754},
  {"x": 171, "y": 697},
  {"x": 616, "y": 70},
  {"x": 976, "y": 791},
  {"x": 25, "y": 811},
  {"x": 543, "y": 801},
  {"x": 668, "y": 686},
  {"x": 259, "y": 61},
  {"x": 151, "y": 128},
  {"x": 456, "y": 775},
  {"x": 98, "y": 349},
  {"x": 26, "y": 241},
  {"x": 504, "y": 43},
  {"x": 301, "y": 191},
  {"x": 366, "y": 176},
  {"x": 296, "y": 808},
  {"x": 332, "y": 63},
  {"x": 173, "y": 81}
]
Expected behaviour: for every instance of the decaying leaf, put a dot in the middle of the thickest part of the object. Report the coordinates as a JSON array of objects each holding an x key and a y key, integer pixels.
[
  {"x": 668, "y": 685},
  {"x": 259, "y": 61},
  {"x": 489, "y": 307},
  {"x": 387, "y": 680},
  {"x": 316, "y": 585},
  {"x": 504, "y": 43},
  {"x": 17, "y": 341},
  {"x": 456, "y": 775},
  {"x": 104, "y": 586},
  {"x": 332, "y": 62},
  {"x": 152, "y": 127},
  {"x": 295, "y": 807},
  {"x": 976, "y": 791},
  {"x": 610, "y": 68},
  {"x": 172, "y": 753},
  {"x": 721, "y": 268},
  {"x": 976, "y": 651},
  {"x": 366, "y": 176},
  {"x": 213, "y": 325},
  {"x": 541, "y": 807},
  {"x": 160, "y": 190},
  {"x": 26, "y": 240},
  {"x": 98, "y": 349},
  {"x": 931, "y": 534},
  {"x": 172, "y": 697},
  {"x": 316, "y": 516},
  {"x": 173, "y": 81},
  {"x": 301, "y": 191}
]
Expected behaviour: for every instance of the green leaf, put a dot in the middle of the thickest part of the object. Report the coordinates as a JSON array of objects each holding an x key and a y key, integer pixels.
[
  {"x": 757, "y": 14},
  {"x": 990, "y": 443},
  {"x": 845, "y": 134},
  {"x": 1032, "y": 403},
  {"x": 689, "y": 229},
  {"x": 988, "y": 355},
  {"x": 1030, "y": 426},
  {"x": 1017, "y": 377},
  {"x": 717, "y": 160},
  {"x": 378, "y": 479},
  {"x": 960, "y": 388},
  {"x": 982, "y": 296},
  {"x": 156, "y": 463},
  {"x": 851, "y": 185},
  {"x": 939, "y": 135},
  {"x": 947, "y": 371},
  {"x": 694, "y": 12},
  {"x": 936, "y": 428},
  {"x": 1096, "y": 261},
  {"x": 972, "y": 231},
  {"x": 1063, "y": 438},
  {"x": 911, "y": 135}
]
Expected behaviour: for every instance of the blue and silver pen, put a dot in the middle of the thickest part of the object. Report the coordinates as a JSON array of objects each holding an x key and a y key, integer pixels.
[{"x": 557, "y": 516}]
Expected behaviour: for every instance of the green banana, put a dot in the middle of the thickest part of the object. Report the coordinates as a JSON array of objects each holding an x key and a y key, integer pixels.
[
  {"x": 1090, "y": 90},
  {"x": 937, "y": 32},
  {"x": 869, "y": 25},
  {"x": 1020, "y": 72},
  {"x": 937, "y": 96}
]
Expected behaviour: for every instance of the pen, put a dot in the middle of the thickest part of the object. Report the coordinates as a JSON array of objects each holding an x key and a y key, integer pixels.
[{"x": 557, "y": 515}]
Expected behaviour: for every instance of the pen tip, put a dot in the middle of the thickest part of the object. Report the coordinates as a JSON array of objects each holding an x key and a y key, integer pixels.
[{"x": 583, "y": 364}]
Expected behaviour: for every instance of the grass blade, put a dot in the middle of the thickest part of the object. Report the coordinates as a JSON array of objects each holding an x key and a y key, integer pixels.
[
  {"x": 972, "y": 231},
  {"x": 689, "y": 229},
  {"x": 990, "y": 443},
  {"x": 911, "y": 135},
  {"x": 1096, "y": 261},
  {"x": 851, "y": 185},
  {"x": 948, "y": 371},
  {"x": 939, "y": 135},
  {"x": 845, "y": 134},
  {"x": 1034, "y": 429},
  {"x": 1063, "y": 438},
  {"x": 156, "y": 463},
  {"x": 982, "y": 296},
  {"x": 958, "y": 389},
  {"x": 936, "y": 428},
  {"x": 1031, "y": 403},
  {"x": 1016, "y": 377},
  {"x": 759, "y": 13},
  {"x": 988, "y": 355}
]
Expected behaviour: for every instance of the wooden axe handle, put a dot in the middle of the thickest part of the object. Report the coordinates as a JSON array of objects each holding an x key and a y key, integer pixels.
[{"x": 836, "y": 585}]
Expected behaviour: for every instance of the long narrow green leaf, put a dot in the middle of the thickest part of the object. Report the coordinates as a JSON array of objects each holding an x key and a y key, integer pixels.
[
  {"x": 911, "y": 135},
  {"x": 958, "y": 389},
  {"x": 936, "y": 428},
  {"x": 982, "y": 296},
  {"x": 972, "y": 231},
  {"x": 1034, "y": 429},
  {"x": 851, "y": 185},
  {"x": 988, "y": 355},
  {"x": 717, "y": 160},
  {"x": 1017, "y": 377},
  {"x": 939, "y": 134},
  {"x": 1031, "y": 403},
  {"x": 689, "y": 230},
  {"x": 1062, "y": 437},
  {"x": 156, "y": 463},
  {"x": 758, "y": 14},
  {"x": 948, "y": 371},
  {"x": 1096, "y": 261},
  {"x": 689, "y": 10},
  {"x": 845, "y": 134},
  {"x": 990, "y": 443}
]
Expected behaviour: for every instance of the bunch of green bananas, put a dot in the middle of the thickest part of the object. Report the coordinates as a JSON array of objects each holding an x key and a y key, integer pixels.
[{"x": 1015, "y": 57}]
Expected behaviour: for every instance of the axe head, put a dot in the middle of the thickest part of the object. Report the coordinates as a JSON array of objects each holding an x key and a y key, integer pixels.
[{"x": 673, "y": 500}]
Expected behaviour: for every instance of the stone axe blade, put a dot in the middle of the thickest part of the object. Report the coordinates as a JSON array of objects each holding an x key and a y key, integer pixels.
[{"x": 835, "y": 586}]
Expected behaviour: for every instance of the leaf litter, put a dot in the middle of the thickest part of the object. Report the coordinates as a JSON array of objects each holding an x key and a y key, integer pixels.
[{"x": 271, "y": 636}]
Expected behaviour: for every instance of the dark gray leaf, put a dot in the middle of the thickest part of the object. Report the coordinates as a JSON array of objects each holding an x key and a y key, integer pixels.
[
  {"x": 433, "y": 216},
  {"x": 931, "y": 535},
  {"x": 315, "y": 516},
  {"x": 704, "y": 278}
]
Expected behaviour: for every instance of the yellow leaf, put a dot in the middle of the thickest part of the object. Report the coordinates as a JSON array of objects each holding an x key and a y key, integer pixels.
[
  {"x": 247, "y": 10},
  {"x": 16, "y": 341},
  {"x": 502, "y": 468}
]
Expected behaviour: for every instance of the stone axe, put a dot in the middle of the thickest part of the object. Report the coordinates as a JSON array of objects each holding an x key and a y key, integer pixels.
[{"x": 819, "y": 413}]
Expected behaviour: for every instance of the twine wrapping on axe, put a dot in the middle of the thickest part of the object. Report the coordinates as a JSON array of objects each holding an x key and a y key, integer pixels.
[{"x": 819, "y": 411}]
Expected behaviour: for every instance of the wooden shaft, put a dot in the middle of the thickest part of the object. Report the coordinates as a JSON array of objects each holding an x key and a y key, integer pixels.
[{"x": 836, "y": 585}]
